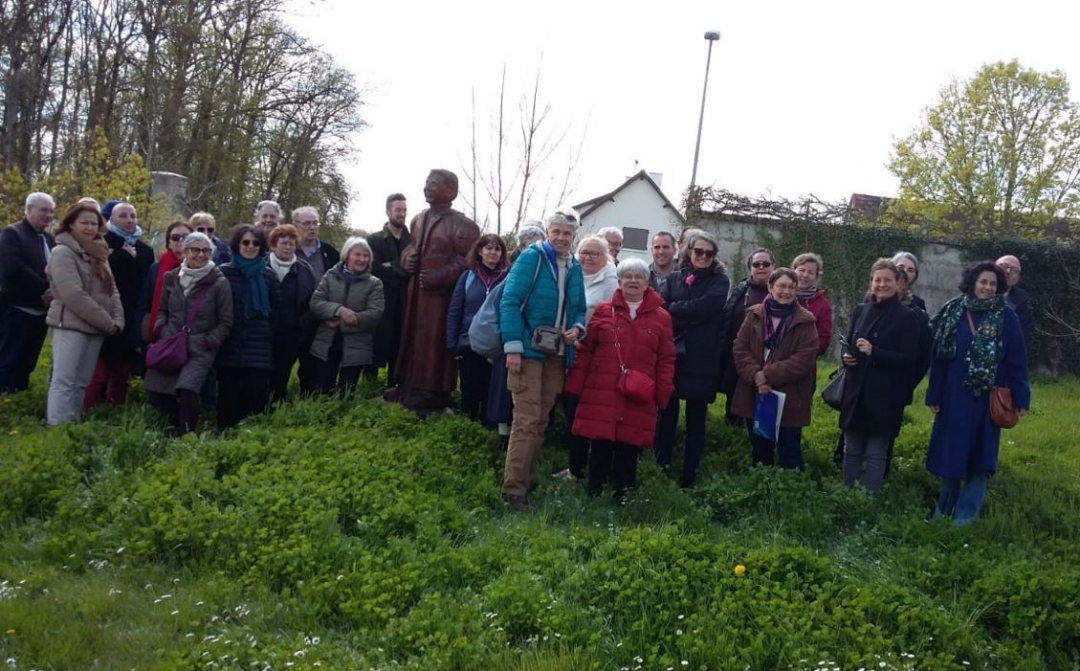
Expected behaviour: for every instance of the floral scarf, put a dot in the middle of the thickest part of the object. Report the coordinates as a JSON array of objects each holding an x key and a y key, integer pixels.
[{"x": 985, "y": 352}]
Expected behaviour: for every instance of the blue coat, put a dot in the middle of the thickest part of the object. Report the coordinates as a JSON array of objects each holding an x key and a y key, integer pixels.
[
  {"x": 542, "y": 303},
  {"x": 469, "y": 294},
  {"x": 697, "y": 315},
  {"x": 963, "y": 438},
  {"x": 250, "y": 341}
]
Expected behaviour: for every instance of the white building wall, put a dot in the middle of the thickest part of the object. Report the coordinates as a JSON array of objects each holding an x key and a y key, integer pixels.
[{"x": 637, "y": 206}]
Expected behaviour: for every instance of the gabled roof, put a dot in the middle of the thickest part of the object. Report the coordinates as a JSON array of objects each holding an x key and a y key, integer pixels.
[{"x": 587, "y": 207}]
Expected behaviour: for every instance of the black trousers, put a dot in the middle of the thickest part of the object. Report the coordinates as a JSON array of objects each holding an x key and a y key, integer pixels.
[
  {"x": 308, "y": 372},
  {"x": 182, "y": 409},
  {"x": 332, "y": 375},
  {"x": 617, "y": 462},
  {"x": 475, "y": 379},
  {"x": 579, "y": 447},
  {"x": 285, "y": 355},
  {"x": 242, "y": 392},
  {"x": 21, "y": 337}
]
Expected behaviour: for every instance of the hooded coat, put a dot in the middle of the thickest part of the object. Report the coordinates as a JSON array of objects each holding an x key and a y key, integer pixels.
[{"x": 645, "y": 343}]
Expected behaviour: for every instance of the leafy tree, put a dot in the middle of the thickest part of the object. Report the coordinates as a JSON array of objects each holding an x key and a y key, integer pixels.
[{"x": 998, "y": 155}]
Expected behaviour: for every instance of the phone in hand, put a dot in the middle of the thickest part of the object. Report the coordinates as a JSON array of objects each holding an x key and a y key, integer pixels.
[{"x": 845, "y": 347}]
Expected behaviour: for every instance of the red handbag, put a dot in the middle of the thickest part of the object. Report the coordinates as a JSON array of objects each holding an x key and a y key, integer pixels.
[
  {"x": 633, "y": 384},
  {"x": 169, "y": 355}
]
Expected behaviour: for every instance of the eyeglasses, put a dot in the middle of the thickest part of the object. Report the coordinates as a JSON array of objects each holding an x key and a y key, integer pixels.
[
  {"x": 249, "y": 243},
  {"x": 590, "y": 254},
  {"x": 199, "y": 251},
  {"x": 205, "y": 230},
  {"x": 1009, "y": 270},
  {"x": 761, "y": 264},
  {"x": 310, "y": 222},
  {"x": 707, "y": 253},
  {"x": 178, "y": 237}
]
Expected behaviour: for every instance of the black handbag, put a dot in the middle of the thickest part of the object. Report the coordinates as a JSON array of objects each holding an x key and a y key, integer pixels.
[{"x": 833, "y": 392}]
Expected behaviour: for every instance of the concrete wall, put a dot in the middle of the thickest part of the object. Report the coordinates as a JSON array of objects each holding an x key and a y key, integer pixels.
[
  {"x": 638, "y": 206},
  {"x": 174, "y": 188}
]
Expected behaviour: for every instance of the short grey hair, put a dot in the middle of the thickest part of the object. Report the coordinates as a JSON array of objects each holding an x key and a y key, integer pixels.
[
  {"x": 355, "y": 241},
  {"x": 533, "y": 230},
  {"x": 610, "y": 230},
  {"x": 194, "y": 237},
  {"x": 300, "y": 210},
  {"x": 632, "y": 265},
  {"x": 595, "y": 237},
  {"x": 36, "y": 198},
  {"x": 564, "y": 216},
  {"x": 907, "y": 256},
  {"x": 268, "y": 203}
]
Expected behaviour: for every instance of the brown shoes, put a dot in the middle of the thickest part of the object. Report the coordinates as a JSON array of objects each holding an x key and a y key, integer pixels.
[{"x": 519, "y": 504}]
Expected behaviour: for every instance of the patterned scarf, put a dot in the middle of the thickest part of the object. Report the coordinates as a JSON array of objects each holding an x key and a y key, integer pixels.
[
  {"x": 808, "y": 294},
  {"x": 771, "y": 335},
  {"x": 258, "y": 294},
  {"x": 985, "y": 352}
]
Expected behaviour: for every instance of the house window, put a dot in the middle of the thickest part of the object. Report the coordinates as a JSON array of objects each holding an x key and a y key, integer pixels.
[{"x": 636, "y": 238}]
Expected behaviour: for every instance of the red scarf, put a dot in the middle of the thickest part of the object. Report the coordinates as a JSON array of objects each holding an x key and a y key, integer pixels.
[{"x": 168, "y": 262}]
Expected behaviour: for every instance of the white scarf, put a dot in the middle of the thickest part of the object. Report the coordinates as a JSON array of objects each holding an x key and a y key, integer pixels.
[
  {"x": 189, "y": 277},
  {"x": 281, "y": 267}
]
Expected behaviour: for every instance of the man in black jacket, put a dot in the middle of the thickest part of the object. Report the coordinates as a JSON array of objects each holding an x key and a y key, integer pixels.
[
  {"x": 129, "y": 259},
  {"x": 386, "y": 248},
  {"x": 321, "y": 256},
  {"x": 24, "y": 291},
  {"x": 1019, "y": 300}
]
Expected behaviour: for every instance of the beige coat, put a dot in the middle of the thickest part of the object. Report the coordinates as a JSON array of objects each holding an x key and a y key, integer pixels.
[{"x": 81, "y": 301}]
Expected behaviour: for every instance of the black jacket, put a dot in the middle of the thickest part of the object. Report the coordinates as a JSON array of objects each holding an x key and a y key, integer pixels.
[
  {"x": 877, "y": 389},
  {"x": 22, "y": 265},
  {"x": 250, "y": 342},
  {"x": 293, "y": 323},
  {"x": 386, "y": 265},
  {"x": 697, "y": 319},
  {"x": 129, "y": 272},
  {"x": 1021, "y": 302},
  {"x": 743, "y": 296}
]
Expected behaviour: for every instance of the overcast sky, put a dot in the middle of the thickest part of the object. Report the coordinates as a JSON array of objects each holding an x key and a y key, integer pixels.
[{"x": 804, "y": 97}]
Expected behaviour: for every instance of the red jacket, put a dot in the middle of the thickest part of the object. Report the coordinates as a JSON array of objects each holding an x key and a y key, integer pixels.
[
  {"x": 647, "y": 346},
  {"x": 821, "y": 308}
]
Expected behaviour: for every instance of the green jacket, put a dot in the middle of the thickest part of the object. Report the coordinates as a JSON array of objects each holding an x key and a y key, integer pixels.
[{"x": 364, "y": 297}]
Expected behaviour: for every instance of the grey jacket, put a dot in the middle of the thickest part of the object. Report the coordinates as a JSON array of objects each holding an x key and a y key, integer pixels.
[
  {"x": 365, "y": 298},
  {"x": 81, "y": 302},
  {"x": 208, "y": 331}
]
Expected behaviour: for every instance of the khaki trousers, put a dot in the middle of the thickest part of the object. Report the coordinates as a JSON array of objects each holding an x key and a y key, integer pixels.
[{"x": 534, "y": 390}]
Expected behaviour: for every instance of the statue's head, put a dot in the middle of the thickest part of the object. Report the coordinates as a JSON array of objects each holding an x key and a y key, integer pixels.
[{"x": 441, "y": 187}]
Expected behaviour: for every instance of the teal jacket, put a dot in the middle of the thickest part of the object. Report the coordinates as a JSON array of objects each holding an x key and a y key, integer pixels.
[{"x": 542, "y": 302}]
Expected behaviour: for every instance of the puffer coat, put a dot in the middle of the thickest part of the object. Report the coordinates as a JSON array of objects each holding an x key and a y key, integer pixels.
[
  {"x": 645, "y": 343},
  {"x": 81, "y": 301},
  {"x": 364, "y": 297},
  {"x": 250, "y": 343}
]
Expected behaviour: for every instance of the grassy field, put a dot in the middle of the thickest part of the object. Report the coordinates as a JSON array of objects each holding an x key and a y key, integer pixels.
[{"x": 348, "y": 535}]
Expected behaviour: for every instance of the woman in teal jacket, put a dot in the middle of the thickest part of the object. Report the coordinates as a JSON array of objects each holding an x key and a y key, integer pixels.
[{"x": 545, "y": 288}]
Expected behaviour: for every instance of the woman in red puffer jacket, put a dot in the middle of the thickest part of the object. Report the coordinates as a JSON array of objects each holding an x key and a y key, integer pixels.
[{"x": 630, "y": 332}]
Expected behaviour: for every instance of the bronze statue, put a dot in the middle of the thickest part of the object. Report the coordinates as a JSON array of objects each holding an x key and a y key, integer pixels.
[{"x": 425, "y": 373}]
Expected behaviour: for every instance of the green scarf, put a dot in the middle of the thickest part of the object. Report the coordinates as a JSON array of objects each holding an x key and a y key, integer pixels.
[
  {"x": 985, "y": 352},
  {"x": 258, "y": 294}
]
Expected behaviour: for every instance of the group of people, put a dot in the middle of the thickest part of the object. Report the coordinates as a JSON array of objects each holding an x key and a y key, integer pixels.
[{"x": 625, "y": 344}]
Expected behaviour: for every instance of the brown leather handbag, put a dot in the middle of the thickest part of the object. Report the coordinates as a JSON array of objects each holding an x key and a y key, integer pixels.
[{"x": 1002, "y": 412}]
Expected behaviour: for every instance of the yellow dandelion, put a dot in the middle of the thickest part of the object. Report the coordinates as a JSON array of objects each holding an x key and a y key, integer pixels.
[{"x": 740, "y": 569}]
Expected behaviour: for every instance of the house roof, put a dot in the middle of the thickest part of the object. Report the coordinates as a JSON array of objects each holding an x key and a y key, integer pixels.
[{"x": 587, "y": 207}]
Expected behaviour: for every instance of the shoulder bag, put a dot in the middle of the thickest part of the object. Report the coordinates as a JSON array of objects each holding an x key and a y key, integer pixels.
[
  {"x": 633, "y": 384},
  {"x": 1002, "y": 413},
  {"x": 169, "y": 355}
]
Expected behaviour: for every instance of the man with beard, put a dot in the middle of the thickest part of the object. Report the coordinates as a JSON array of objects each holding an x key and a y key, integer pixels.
[
  {"x": 425, "y": 373},
  {"x": 386, "y": 248},
  {"x": 664, "y": 251}
]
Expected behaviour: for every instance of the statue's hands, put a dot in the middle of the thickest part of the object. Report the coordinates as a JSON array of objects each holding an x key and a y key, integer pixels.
[{"x": 410, "y": 262}]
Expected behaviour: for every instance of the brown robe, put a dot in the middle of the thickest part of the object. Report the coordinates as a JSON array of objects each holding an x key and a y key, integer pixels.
[{"x": 426, "y": 372}]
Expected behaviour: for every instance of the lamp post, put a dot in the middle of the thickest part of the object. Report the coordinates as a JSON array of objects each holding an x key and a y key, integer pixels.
[{"x": 711, "y": 36}]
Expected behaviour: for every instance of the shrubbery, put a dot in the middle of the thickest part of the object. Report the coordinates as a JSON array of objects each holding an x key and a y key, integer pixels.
[{"x": 337, "y": 534}]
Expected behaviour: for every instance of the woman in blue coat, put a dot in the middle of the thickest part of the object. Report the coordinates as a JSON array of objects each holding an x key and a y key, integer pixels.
[
  {"x": 694, "y": 296},
  {"x": 978, "y": 344},
  {"x": 487, "y": 268}
]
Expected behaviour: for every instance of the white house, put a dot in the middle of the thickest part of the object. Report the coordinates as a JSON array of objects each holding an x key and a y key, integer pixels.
[{"x": 639, "y": 208}]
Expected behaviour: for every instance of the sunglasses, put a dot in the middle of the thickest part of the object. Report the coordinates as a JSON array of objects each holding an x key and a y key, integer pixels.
[
  {"x": 206, "y": 230},
  {"x": 761, "y": 264},
  {"x": 707, "y": 253},
  {"x": 178, "y": 237},
  {"x": 249, "y": 243}
]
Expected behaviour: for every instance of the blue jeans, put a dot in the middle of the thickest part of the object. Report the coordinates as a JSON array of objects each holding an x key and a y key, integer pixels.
[
  {"x": 962, "y": 499},
  {"x": 21, "y": 338},
  {"x": 695, "y": 437},
  {"x": 788, "y": 447}
]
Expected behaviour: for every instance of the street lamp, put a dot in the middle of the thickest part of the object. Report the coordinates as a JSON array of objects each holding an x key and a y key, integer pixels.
[{"x": 711, "y": 36}]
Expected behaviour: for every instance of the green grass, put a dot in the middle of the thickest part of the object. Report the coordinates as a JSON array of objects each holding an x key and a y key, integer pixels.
[{"x": 347, "y": 534}]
